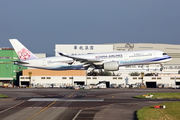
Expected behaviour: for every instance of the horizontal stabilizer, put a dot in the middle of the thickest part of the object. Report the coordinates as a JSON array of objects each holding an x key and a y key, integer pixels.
[{"x": 20, "y": 62}]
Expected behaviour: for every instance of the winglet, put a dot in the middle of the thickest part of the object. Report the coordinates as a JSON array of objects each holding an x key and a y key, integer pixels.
[
  {"x": 63, "y": 54},
  {"x": 22, "y": 52}
]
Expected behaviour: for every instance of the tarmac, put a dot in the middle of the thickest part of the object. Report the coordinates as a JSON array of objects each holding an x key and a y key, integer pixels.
[{"x": 69, "y": 104}]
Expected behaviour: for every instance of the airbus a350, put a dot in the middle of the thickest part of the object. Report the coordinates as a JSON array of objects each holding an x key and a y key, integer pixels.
[{"x": 108, "y": 61}]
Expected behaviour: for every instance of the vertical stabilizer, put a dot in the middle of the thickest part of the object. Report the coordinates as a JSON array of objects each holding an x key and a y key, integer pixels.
[{"x": 22, "y": 52}]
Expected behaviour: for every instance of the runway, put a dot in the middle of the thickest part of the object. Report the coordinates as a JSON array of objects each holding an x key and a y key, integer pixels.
[{"x": 67, "y": 104}]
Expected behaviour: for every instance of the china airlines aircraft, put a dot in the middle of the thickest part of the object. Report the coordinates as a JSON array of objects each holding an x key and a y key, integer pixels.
[{"x": 108, "y": 61}]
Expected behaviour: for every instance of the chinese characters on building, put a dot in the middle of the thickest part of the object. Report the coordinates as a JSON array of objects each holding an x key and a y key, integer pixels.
[{"x": 83, "y": 47}]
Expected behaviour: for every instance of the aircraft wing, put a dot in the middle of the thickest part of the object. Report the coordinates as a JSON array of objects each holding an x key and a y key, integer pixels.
[{"x": 82, "y": 60}]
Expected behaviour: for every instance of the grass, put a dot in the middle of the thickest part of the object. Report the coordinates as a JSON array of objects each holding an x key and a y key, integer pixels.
[
  {"x": 167, "y": 95},
  {"x": 3, "y": 96},
  {"x": 171, "y": 112}
]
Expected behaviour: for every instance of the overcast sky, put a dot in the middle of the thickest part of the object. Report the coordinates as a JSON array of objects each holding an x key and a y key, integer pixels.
[{"x": 40, "y": 24}]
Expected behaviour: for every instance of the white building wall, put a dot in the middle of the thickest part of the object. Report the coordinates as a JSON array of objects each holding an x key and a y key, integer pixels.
[
  {"x": 76, "y": 49},
  {"x": 58, "y": 81},
  {"x": 40, "y": 55}
]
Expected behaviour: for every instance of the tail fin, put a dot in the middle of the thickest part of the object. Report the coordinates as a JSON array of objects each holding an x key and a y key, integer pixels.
[{"x": 22, "y": 52}]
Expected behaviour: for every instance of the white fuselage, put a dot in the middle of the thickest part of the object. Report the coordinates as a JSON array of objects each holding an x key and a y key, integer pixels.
[{"x": 123, "y": 58}]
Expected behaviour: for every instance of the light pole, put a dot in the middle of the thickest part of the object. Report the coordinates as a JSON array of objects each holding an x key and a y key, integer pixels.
[
  {"x": 72, "y": 81},
  {"x": 142, "y": 75},
  {"x": 30, "y": 74},
  {"x": 175, "y": 81}
]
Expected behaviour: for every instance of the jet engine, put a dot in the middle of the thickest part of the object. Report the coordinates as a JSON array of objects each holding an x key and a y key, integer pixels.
[{"x": 111, "y": 66}]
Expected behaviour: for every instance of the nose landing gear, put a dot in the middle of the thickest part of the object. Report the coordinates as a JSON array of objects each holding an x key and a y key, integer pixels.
[{"x": 161, "y": 69}]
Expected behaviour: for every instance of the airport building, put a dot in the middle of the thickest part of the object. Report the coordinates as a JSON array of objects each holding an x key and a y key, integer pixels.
[
  {"x": 121, "y": 81},
  {"x": 78, "y": 49},
  {"x": 38, "y": 77},
  {"x": 9, "y": 73}
]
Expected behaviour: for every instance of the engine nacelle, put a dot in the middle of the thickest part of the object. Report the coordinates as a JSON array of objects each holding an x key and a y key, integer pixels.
[{"x": 111, "y": 66}]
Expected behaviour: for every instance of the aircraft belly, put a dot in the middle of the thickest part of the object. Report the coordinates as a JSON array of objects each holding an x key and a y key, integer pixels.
[
  {"x": 70, "y": 67},
  {"x": 145, "y": 61}
]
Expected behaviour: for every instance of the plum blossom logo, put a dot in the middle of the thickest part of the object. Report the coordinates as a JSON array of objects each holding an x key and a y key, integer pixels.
[{"x": 24, "y": 54}]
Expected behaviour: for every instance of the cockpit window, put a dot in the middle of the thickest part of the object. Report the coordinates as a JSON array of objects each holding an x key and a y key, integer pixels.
[{"x": 164, "y": 54}]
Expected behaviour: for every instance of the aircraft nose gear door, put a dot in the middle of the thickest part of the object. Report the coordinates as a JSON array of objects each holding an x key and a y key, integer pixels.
[{"x": 161, "y": 67}]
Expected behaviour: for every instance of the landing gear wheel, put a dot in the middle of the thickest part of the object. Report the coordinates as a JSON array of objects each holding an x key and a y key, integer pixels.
[
  {"x": 89, "y": 74},
  {"x": 94, "y": 74}
]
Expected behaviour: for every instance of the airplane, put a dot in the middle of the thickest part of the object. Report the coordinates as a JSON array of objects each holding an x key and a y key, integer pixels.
[{"x": 108, "y": 61}]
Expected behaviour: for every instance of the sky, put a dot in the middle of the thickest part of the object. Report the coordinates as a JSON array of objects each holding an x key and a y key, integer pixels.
[{"x": 40, "y": 24}]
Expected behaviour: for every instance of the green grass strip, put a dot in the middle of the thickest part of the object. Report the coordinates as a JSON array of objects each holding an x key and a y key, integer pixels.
[
  {"x": 3, "y": 96},
  {"x": 171, "y": 112},
  {"x": 167, "y": 95}
]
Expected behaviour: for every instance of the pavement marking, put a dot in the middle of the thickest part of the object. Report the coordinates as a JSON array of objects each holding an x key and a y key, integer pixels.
[
  {"x": 42, "y": 110},
  {"x": 38, "y": 95},
  {"x": 84, "y": 117},
  {"x": 107, "y": 95},
  {"x": 43, "y": 99},
  {"x": 129, "y": 103},
  {"x": 71, "y": 95},
  {"x": 153, "y": 101},
  {"x": 90, "y": 117},
  {"x": 145, "y": 90},
  {"x": 77, "y": 115},
  {"x": 12, "y": 107},
  {"x": 66, "y": 100}
]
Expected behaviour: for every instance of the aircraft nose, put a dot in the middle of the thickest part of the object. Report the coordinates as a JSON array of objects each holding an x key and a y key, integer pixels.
[{"x": 170, "y": 58}]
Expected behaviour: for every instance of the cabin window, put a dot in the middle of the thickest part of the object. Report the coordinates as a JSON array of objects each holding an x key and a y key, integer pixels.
[{"x": 164, "y": 54}]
